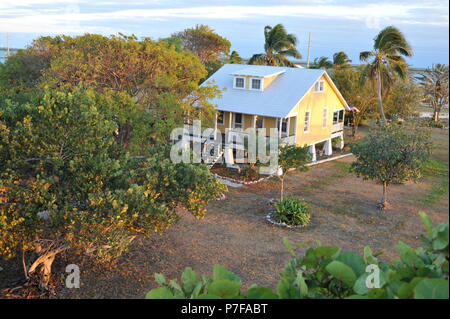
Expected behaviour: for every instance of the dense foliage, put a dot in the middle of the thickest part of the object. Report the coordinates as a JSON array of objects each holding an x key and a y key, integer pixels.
[
  {"x": 211, "y": 48},
  {"x": 155, "y": 74},
  {"x": 292, "y": 211},
  {"x": 84, "y": 152},
  {"x": 392, "y": 154},
  {"x": 330, "y": 272}
]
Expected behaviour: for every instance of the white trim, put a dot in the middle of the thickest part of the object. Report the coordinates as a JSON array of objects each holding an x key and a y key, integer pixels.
[
  {"x": 280, "y": 125},
  {"x": 325, "y": 117},
  {"x": 309, "y": 122},
  {"x": 321, "y": 88},
  {"x": 234, "y": 82}
]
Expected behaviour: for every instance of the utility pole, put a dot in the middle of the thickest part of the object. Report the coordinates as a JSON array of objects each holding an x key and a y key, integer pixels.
[{"x": 309, "y": 50}]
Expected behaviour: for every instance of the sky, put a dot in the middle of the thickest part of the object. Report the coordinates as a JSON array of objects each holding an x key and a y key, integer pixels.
[{"x": 335, "y": 25}]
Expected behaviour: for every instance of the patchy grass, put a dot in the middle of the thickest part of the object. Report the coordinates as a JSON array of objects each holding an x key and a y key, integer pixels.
[{"x": 438, "y": 171}]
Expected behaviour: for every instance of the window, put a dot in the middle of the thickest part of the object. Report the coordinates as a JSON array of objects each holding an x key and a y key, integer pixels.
[
  {"x": 239, "y": 82},
  {"x": 341, "y": 116},
  {"x": 307, "y": 121},
  {"x": 220, "y": 117},
  {"x": 319, "y": 86},
  {"x": 256, "y": 84},
  {"x": 335, "y": 117},
  {"x": 338, "y": 116},
  {"x": 238, "y": 120},
  {"x": 324, "y": 117},
  {"x": 259, "y": 122},
  {"x": 283, "y": 125}
]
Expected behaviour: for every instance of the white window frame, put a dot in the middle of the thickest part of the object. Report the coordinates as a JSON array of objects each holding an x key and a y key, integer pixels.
[
  {"x": 242, "y": 123},
  {"x": 218, "y": 117},
  {"x": 261, "y": 81},
  {"x": 325, "y": 117},
  {"x": 235, "y": 80},
  {"x": 280, "y": 127},
  {"x": 307, "y": 127},
  {"x": 319, "y": 86},
  {"x": 338, "y": 111}
]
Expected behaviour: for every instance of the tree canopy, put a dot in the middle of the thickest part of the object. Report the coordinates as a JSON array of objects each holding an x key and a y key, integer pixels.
[
  {"x": 392, "y": 154},
  {"x": 67, "y": 184},
  {"x": 278, "y": 46}
]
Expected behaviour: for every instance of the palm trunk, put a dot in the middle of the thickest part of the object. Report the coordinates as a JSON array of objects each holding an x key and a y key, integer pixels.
[
  {"x": 380, "y": 100},
  {"x": 436, "y": 116}
]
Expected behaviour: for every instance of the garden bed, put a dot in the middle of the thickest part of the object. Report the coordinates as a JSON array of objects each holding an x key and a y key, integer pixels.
[{"x": 235, "y": 177}]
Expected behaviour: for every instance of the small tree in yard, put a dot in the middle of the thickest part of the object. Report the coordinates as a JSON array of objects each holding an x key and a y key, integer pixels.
[
  {"x": 292, "y": 156},
  {"x": 391, "y": 154}
]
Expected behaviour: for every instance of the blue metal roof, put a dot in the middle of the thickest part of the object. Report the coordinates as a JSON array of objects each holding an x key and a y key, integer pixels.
[{"x": 277, "y": 100}]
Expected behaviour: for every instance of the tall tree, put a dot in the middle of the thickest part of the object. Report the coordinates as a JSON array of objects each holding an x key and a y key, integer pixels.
[
  {"x": 204, "y": 42},
  {"x": 278, "y": 46},
  {"x": 391, "y": 154},
  {"x": 356, "y": 93},
  {"x": 234, "y": 58},
  {"x": 386, "y": 59},
  {"x": 435, "y": 84}
]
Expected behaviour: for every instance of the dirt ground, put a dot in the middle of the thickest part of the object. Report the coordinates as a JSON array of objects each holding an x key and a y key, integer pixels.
[{"x": 235, "y": 233}]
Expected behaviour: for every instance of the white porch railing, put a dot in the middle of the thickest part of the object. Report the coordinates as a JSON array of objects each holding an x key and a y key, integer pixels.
[{"x": 337, "y": 127}]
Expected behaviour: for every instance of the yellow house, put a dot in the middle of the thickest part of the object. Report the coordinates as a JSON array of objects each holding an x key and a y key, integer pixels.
[{"x": 303, "y": 105}]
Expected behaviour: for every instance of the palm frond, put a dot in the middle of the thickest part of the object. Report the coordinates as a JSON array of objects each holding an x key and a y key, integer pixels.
[
  {"x": 258, "y": 59},
  {"x": 365, "y": 55}
]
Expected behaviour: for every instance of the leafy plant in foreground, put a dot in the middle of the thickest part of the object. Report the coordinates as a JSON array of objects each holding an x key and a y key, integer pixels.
[{"x": 330, "y": 272}]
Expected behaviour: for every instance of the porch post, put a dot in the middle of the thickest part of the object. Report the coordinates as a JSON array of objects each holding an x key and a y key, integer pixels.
[
  {"x": 279, "y": 127},
  {"x": 341, "y": 145},
  {"x": 215, "y": 127},
  {"x": 312, "y": 150},
  {"x": 288, "y": 126},
  {"x": 327, "y": 147}
]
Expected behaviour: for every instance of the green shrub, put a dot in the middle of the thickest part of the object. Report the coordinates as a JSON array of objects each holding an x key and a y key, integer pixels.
[
  {"x": 292, "y": 211},
  {"x": 331, "y": 272}
]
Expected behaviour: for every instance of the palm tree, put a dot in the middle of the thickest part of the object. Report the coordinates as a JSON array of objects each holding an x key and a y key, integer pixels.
[
  {"x": 387, "y": 59},
  {"x": 278, "y": 46},
  {"x": 341, "y": 60},
  {"x": 435, "y": 84},
  {"x": 322, "y": 63}
]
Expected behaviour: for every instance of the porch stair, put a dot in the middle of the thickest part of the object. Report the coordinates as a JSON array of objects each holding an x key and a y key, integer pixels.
[{"x": 213, "y": 160}]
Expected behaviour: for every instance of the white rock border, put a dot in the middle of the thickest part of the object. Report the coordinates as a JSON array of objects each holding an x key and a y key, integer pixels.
[
  {"x": 272, "y": 221},
  {"x": 237, "y": 181}
]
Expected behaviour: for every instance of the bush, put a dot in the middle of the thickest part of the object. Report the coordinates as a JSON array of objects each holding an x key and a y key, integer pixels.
[{"x": 292, "y": 211}]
